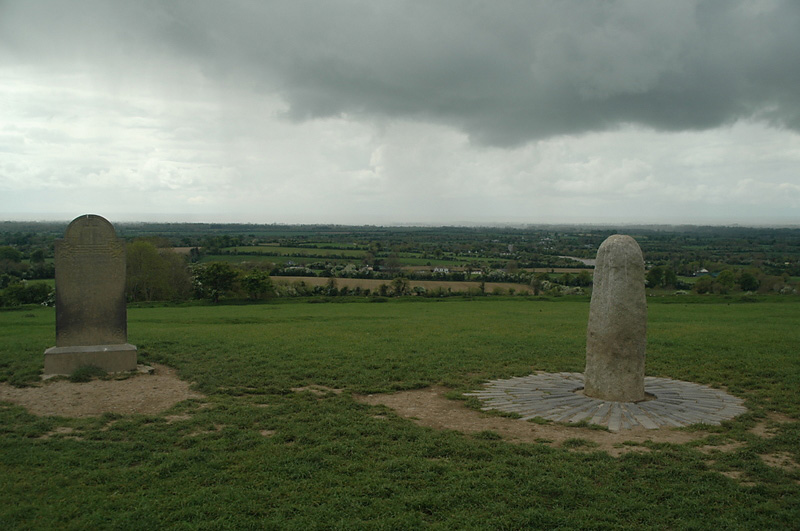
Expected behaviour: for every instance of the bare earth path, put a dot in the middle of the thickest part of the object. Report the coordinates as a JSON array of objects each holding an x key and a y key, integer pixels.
[{"x": 429, "y": 407}]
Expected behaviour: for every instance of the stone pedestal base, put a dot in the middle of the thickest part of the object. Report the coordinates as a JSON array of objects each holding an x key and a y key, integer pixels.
[{"x": 110, "y": 358}]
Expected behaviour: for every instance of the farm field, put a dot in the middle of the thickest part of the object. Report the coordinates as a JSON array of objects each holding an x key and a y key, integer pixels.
[
  {"x": 341, "y": 255},
  {"x": 343, "y": 252},
  {"x": 430, "y": 285},
  {"x": 257, "y": 450},
  {"x": 407, "y": 263}
]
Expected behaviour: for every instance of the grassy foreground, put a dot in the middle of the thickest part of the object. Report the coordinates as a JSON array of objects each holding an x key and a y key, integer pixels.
[{"x": 330, "y": 462}]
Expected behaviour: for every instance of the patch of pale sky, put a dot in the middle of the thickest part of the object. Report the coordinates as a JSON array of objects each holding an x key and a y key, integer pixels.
[{"x": 233, "y": 156}]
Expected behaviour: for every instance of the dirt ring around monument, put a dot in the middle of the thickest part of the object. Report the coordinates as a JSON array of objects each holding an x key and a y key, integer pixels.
[
  {"x": 155, "y": 393},
  {"x": 137, "y": 394}
]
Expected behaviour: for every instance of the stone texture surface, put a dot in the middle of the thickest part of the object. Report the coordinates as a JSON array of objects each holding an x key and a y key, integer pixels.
[
  {"x": 90, "y": 299},
  {"x": 558, "y": 397},
  {"x": 616, "y": 334},
  {"x": 90, "y": 285}
]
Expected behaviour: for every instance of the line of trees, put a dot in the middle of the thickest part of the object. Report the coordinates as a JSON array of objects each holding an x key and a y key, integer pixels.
[
  {"x": 155, "y": 272},
  {"x": 24, "y": 292},
  {"x": 15, "y": 288},
  {"x": 158, "y": 274},
  {"x": 746, "y": 280}
]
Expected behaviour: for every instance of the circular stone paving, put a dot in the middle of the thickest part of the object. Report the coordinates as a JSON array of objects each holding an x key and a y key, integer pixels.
[{"x": 557, "y": 397}]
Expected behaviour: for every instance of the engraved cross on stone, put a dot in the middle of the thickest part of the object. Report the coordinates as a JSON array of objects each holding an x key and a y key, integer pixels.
[{"x": 90, "y": 234}]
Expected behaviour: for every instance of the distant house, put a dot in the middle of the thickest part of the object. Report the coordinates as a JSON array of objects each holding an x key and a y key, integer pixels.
[
  {"x": 700, "y": 272},
  {"x": 441, "y": 270}
]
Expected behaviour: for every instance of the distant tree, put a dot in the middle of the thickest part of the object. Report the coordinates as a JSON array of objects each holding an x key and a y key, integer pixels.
[
  {"x": 155, "y": 274},
  {"x": 538, "y": 282},
  {"x": 194, "y": 255},
  {"x": 178, "y": 272},
  {"x": 331, "y": 288},
  {"x": 748, "y": 281},
  {"x": 26, "y": 293},
  {"x": 10, "y": 254},
  {"x": 392, "y": 263},
  {"x": 704, "y": 284},
  {"x": 655, "y": 277},
  {"x": 584, "y": 278},
  {"x": 257, "y": 284},
  {"x": 726, "y": 279},
  {"x": 401, "y": 286},
  {"x": 214, "y": 279},
  {"x": 11, "y": 262},
  {"x": 37, "y": 256},
  {"x": 670, "y": 277},
  {"x": 301, "y": 288},
  {"x": 771, "y": 283},
  {"x": 146, "y": 272}
]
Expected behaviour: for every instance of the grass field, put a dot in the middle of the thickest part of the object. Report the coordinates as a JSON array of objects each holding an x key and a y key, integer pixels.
[{"x": 332, "y": 462}]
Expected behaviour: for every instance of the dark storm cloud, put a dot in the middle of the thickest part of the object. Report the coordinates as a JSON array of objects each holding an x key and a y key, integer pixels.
[{"x": 503, "y": 72}]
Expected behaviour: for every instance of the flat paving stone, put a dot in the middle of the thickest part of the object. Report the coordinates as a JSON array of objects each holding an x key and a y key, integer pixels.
[{"x": 557, "y": 397}]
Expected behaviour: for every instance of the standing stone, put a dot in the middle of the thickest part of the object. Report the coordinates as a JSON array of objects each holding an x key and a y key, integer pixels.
[
  {"x": 91, "y": 317},
  {"x": 617, "y": 332}
]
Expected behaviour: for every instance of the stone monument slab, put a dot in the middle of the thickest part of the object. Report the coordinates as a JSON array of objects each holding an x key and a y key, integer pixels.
[
  {"x": 91, "y": 315},
  {"x": 616, "y": 335}
]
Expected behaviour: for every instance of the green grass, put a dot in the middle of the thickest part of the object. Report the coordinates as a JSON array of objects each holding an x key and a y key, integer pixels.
[
  {"x": 331, "y": 462},
  {"x": 86, "y": 373}
]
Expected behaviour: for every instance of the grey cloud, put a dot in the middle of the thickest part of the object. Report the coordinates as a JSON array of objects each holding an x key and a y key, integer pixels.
[{"x": 504, "y": 73}]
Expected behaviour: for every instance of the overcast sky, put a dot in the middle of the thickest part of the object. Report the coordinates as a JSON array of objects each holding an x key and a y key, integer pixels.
[{"x": 385, "y": 112}]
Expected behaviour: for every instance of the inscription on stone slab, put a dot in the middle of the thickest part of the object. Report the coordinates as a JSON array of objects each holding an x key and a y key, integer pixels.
[
  {"x": 91, "y": 316},
  {"x": 616, "y": 335}
]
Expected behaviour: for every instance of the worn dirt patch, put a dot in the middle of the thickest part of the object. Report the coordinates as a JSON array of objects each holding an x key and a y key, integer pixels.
[
  {"x": 171, "y": 419},
  {"x": 142, "y": 394},
  {"x": 769, "y": 428},
  {"x": 215, "y": 428},
  {"x": 782, "y": 460},
  {"x": 318, "y": 390},
  {"x": 739, "y": 476},
  {"x": 429, "y": 407},
  {"x": 721, "y": 448}
]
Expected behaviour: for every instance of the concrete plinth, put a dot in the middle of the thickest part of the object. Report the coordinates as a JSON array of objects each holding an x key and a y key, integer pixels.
[{"x": 110, "y": 358}]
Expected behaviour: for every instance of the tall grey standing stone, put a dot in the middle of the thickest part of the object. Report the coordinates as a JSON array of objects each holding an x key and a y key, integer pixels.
[
  {"x": 91, "y": 317},
  {"x": 616, "y": 335}
]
